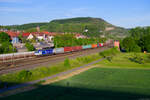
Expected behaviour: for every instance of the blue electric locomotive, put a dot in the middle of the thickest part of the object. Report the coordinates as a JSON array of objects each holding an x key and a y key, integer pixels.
[{"x": 44, "y": 52}]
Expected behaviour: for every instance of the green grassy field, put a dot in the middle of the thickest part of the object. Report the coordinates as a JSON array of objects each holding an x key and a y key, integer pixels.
[
  {"x": 122, "y": 60},
  {"x": 95, "y": 84},
  {"x": 117, "y": 79}
]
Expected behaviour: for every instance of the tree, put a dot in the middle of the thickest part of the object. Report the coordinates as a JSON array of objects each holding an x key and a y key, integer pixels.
[
  {"x": 4, "y": 37},
  {"x": 145, "y": 43},
  {"x": 130, "y": 45},
  {"x": 138, "y": 40},
  {"x": 7, "y": 47},
  {"x": 29, "y": 46}
]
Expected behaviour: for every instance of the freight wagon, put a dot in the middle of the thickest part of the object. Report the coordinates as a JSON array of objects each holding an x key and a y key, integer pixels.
[{"x": 4, "y": 57}]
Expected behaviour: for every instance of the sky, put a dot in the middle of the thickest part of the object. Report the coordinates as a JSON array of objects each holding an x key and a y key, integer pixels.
[{"x": 123, "y": 13}]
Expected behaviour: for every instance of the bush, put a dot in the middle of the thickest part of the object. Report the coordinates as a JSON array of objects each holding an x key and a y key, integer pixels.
[
  {"x": 109, "y": 59},
  {"x": 147, "y": 58},
  {"x": 137, "y": 58},
  {"x": 136, "y": 48},
  {"x": 108, "y": 53},
  {"x": 67, "y": 62},
  {"x": 29, "y": 46},
  {"x": 24, "y": 75}
]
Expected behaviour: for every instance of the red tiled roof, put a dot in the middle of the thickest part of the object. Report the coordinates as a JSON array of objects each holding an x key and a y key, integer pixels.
[
  {"x": 26, "y": 34},
  {"x": 40, "y": 34},
  {"x": 12, "y": 34},
  {"x": 77, "y": 35},
  {"x": 45, "y": 32},
  {"x": 49, "y": 33}
]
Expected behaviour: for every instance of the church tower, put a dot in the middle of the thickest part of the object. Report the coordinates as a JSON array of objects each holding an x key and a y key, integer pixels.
[{"x": 38, "y": 29}]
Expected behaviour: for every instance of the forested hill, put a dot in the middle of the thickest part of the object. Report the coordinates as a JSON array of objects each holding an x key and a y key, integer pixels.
[{"x": 95, "y": 26}]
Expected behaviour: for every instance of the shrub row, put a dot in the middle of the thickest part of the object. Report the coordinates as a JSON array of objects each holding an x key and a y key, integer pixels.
[
  {"x": 109, "y": 53},
  {"x": 140, "y": 59}
]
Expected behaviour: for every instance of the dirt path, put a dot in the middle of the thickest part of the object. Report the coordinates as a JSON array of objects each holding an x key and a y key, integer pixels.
[{"x": 68, "y": 75}]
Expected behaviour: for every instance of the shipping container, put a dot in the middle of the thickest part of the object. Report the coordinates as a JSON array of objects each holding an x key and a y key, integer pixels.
[
  {"x": 58, "y": 50},
  {"x": 76, "y": 48},
  {"x": 104, "y": 44},
  {"x": 98, "y": 45},
  {"x": 86, "y": 46},
  {"x": 94, "y": 45},
  {"x": 67, "y": 49},
  {"x": 101, "y": 44}
]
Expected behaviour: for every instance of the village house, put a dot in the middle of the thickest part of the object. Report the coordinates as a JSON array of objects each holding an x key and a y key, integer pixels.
[
  {"x": 45, "y": 36},
  {"x": 78, "y": 36},
  {"x": 41, "y": 36},
  {"x": 25, "y": 35},
  {"x": 30, "y": 37},
  {"x": 13, "y": 36},
  {"x": 49, "y": 36}
]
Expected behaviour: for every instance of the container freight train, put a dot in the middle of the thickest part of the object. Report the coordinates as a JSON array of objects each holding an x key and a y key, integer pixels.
[
  {"x": 67, "y": 49},
  {"x": 50, "y": 51}
]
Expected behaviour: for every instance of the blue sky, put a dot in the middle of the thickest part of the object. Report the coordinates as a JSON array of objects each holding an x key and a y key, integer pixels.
[{"x": 124, "y": 13}]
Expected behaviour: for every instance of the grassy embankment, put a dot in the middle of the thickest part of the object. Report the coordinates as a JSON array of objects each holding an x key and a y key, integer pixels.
[
  {"x": 38, "y": 73},
  {"x": 127, "y": 60}
]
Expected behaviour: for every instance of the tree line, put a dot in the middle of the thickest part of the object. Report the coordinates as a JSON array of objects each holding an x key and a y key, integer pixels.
[
  {"x": 138, "y": 41},
  {"x": 70, "y": 40}
]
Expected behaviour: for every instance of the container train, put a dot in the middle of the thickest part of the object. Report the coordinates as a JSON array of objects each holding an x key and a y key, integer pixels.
[
  {"x": 66, "y": 49},
  {"x": 49, "y": 51}
]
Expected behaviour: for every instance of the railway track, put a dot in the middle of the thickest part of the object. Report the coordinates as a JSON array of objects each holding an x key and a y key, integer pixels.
[
  {"x": 32, "y": 59},
  {"x": 44, "y": 60}
]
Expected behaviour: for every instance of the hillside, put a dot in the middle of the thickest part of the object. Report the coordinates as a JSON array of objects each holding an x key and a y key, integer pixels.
[
  {"x": 24, "y": 26},
  {"x": 95, "y": 27}
]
